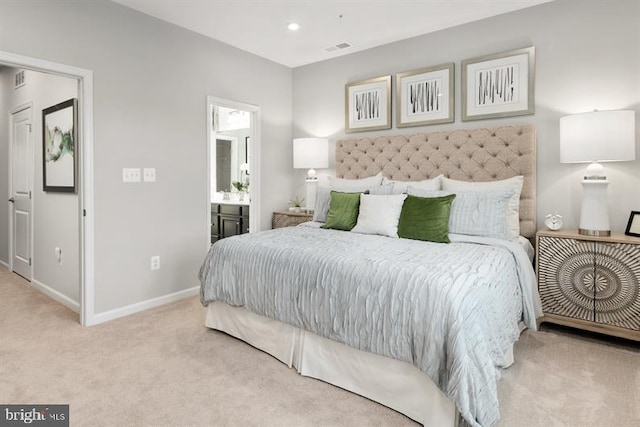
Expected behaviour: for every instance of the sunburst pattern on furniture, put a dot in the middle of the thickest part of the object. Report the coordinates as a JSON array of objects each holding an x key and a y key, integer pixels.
[
  {"x": 588, "y": 280},
  {"x": 617, "y": 300}
]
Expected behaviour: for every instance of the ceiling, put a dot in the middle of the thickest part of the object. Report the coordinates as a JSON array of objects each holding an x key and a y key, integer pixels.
[{"x": 260, "y": 26}]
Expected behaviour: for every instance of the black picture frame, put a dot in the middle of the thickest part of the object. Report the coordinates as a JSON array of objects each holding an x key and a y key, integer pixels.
[
  {"x": 633, "y": 226},
  {"x": 60, "y": 147}
]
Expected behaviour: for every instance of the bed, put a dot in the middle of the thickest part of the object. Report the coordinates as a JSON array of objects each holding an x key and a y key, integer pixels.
[{"x": 421, "y": 327}]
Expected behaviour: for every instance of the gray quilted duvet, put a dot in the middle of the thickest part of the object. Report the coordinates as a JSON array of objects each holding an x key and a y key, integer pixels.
[{"x": 452, "y": 310}]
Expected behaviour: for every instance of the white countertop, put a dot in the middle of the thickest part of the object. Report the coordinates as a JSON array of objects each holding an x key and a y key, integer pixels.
[{"x": 231, "y": 202}]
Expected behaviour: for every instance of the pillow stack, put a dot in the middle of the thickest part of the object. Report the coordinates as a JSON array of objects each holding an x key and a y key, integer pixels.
[{"x": 421, "y": 210}]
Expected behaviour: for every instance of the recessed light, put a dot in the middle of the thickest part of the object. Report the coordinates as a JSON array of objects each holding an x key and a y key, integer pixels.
[{"x": 293, "y": 26}]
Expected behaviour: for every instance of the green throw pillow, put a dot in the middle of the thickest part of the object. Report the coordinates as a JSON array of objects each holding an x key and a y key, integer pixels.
[
  {"x": 343, "y": 211},
  {"x": 426, "y": 218}
]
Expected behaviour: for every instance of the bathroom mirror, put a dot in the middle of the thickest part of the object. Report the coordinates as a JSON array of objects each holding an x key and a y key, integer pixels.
[{"x": 231, "y": 136}]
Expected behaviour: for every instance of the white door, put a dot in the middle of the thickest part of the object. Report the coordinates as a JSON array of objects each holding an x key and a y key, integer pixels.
[{"x": 20, "y": 192}]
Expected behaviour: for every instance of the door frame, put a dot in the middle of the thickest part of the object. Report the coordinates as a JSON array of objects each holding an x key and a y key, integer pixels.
[
  {"x": 13, "y": 111},
  {"x": 85, "y": 170},
  {"x": 254, "y": 149}
]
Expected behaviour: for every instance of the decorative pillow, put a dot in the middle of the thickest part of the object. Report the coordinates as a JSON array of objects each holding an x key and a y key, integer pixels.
[
  {"x": 511, "y": 184},
  {"x": 425, "y": 218},
  {"x": 343, "y": 211},
  {"x": 379, "y": 214},
  {"x": 400, "y": 187},
  {"x": 481, "y": 213},
  {"x": 371, "y": 184}
]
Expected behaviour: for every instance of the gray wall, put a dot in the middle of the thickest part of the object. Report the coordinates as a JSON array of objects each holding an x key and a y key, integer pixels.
[
  {"x": 55, "y": 214},
  {"x": 587, "y": 56},
  {"x": 151, "y": 80}
]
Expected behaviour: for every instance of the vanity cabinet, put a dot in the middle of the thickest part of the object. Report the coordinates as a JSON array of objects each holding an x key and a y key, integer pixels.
[
  {"x": 228, "y": 220},
  {"x": 592, "y": 283}
]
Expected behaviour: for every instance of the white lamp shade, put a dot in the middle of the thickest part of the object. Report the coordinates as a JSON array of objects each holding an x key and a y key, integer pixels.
[
  {"x": 599, "y": 136},
  {"x": 310, "y": 153}
]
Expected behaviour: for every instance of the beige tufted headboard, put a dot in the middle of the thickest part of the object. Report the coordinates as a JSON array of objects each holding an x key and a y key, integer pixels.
[{"x": 466, "y": 155}]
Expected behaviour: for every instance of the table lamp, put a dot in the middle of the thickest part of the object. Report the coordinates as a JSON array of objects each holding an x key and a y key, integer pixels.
[
  {"x": 598, "y": 136},
  {"x": 311, "y": 153}
]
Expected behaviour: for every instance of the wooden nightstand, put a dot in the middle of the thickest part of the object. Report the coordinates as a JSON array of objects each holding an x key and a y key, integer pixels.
[
  {"x": 289, "y": 219},
  {"x": 591, "y": 283}
]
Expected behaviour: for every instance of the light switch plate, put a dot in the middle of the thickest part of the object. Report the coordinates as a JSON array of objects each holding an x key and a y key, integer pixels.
[
  {"x": 130, "y": 174},
  {"x": 149, "y": 174}
]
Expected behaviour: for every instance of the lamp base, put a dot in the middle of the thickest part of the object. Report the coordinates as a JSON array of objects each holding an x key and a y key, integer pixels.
[
  {"x": 594, "y": 233},
  {"x": 594, "y": 216},
  {"x": 310, "y": 201}
]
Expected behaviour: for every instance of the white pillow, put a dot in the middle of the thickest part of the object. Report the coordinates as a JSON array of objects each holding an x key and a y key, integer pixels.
[
  {"x": 379, "y": 214},
  {"x": 400, "y": 187},
  {"x": 481, "y": 213},
  {"x": 381, "y": 190},
  {"x": 349, "y": 185},
  {"x": 514, "y": 185}
]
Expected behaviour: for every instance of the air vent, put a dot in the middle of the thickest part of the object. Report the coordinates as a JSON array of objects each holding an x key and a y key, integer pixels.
[
  {"x": 19, "y": 79},
  {"x": 339, "y": 46}
]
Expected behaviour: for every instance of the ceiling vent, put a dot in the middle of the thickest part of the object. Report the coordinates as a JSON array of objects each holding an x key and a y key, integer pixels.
[
  {"x": 339, "y": 46},
  {"x": 19, "y": 79}
]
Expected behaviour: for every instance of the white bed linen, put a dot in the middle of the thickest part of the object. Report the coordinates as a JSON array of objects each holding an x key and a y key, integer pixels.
[{"x": 392, "y": 383}]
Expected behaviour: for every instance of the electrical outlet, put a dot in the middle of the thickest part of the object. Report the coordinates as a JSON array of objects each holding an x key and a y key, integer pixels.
[
  {"x": 130, "y": 174},
  {"x": 155, "y": 262},
  {"x": 149, "y": 174}
]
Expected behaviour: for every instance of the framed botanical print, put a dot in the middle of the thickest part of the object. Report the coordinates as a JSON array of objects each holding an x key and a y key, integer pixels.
[{"x": 59, "y": 146}]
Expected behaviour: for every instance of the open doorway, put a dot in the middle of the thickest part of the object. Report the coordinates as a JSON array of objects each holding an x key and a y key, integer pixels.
[
  {"x": 233, "y": 190},
  {"x": 78, "y": 255}
]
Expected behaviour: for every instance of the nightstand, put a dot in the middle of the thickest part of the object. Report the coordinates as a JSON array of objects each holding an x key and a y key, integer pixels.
[
  {"x": 289, "y": 219},
  {"x": 592, "y": 283}
]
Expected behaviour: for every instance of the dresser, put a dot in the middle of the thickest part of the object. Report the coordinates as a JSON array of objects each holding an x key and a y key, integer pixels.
[
  {"x": 289, "y": 219},
  {"x": 588, "y": 282},
  {"x": 228, "y": 220}
]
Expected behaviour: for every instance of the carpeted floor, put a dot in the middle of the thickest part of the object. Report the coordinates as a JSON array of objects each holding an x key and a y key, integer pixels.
[{"x": 164, "y": 368}]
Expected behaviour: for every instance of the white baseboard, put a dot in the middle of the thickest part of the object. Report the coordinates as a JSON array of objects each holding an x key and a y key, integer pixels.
[
  {"x": 4, "y": 264},
  {"x": 61, "y": 298},
  {"x": 143, "y": 305}
]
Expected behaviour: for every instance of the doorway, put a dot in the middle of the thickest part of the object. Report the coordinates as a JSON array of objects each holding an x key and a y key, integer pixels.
[
  {"x": 20, "y": 191},
  {"x": 233, "y": 147},
  {"x": 85, "y": 203}
]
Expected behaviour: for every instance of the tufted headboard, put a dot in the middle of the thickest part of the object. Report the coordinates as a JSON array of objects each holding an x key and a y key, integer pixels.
[{"x": 466, "y": 155}]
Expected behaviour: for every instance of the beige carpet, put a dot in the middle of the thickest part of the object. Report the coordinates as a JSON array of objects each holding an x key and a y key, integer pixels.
[{"x": 164, "y": 368}]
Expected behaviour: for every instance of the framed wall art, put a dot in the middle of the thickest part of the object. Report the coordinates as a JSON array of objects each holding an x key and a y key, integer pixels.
[
  {"x": 368, "y": 105},
  {"x": 59, "y": 146},
  {"x": 499, "y": 85},
  {"x": 425, "y": 96},
  {"x": 633, "y": 226}
]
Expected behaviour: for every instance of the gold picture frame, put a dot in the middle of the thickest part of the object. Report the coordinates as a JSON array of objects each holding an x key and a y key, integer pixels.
[
  {"x": 425, "y": 96},
  {"x": 368, "y": 105},
  {"x": 499, "y": 85}
]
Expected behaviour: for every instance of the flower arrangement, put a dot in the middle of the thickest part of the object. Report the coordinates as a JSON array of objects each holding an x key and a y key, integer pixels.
[{"x": 240, "y": 186}]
